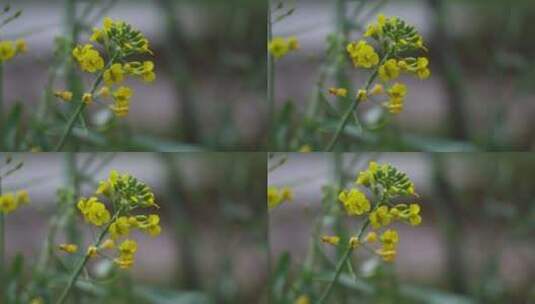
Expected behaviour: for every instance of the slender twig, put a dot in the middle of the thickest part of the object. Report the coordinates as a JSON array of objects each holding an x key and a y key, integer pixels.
[
  {"x": 347, "y": 115},
  {"x": 84, "y": 261},
  {"x": 341, "y": 263},
  {"x": 81, "y": 106}
]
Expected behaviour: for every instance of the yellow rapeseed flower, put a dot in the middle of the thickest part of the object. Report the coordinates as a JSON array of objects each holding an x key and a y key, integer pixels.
[
  {"x": 68, "y": 248},
  {"x": 122, "y": 96},
  {"x": 362, "y": 54},
  {"x": 113, "y": 75},
  {"x": 87, "y": 98},
  {"x": 389, "y": 70},
  {"x": 371, "y": 237},
  {"x": 278, "y": 47},
  {"x": 92, "y": 251},
  {"x": 388, "y": 255},
  {"x": 354, "y": 242},
  {"x": 21, "y": 46},
  {"x": 88, "y": 58},
  {"x": 390, "y": 239},
  {"x": 341, "y": 92},
  {"x": 64, "y": 95},
  {"x": 380, "y": 217},
  {"x": 7, "y": 50},
  {"x": 94, "y": 211},
  {"x": 331, "y": 240},
  {"x": 8, "y": 203},
  {"x": 362, "y": 95},
  {"x": 108, "y": 244},
  {"x": 377, "y": 89},
  {"x": 354, "y": 201},
  {"x": 302, "y": 299},
  {"x": 120, "y": 227}
]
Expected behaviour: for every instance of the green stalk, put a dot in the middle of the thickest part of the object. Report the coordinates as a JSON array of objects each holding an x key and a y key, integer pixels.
[
  {"x": 83, "y": 262},
  {"x": 340, "y": 265},
  {"x": 81, "y": 106},
  {"x": 354, "y": 105}
]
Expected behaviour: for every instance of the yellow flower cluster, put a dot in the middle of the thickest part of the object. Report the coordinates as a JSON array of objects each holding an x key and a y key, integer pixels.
[
  {"x": 354, "y": 201},
  {"x": 396, "y": 39},
  {"x": 120, "y": 41},
  {"x": 10, "y": 201},
  {"x": 127, "y": 250},
  {"x": 88, "y": 58},
  {"x": 278, "y": 47},
  {"x": 340, "y": 92},
  {"x": 9, "y": 49},
  {"x": 94, "y": 211},
  {"x": 386, "y": 183},
  {"x": 362, "y": 54},
  {"x": 276, "y": 196},
  {"x": 126, "y": 194}
]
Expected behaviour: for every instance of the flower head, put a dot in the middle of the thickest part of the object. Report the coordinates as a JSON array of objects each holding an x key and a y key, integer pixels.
[
  {"x": 362, "y": 54},
  {"x": 354, "y": 201}
]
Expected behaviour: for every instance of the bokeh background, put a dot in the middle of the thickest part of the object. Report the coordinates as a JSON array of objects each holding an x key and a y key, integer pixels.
[
  {"x": 214, "y": 226},
  {"x": 210, "y": 66},
  {"x": 475, "y": 244},
  {"x": 480, "y": 95}
]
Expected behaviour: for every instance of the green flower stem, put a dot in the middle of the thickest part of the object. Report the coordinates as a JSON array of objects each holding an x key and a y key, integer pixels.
[
  {"x": 81, "y": 107},
  {"x": 341, "y": 263},
  {"x": 354, "y": 105},
  {"x": 84, "y": 260}
]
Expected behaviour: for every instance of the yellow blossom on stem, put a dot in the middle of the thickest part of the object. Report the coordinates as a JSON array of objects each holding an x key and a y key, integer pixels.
[
  {"x": 113, "y": 75},
  {"x": 64, "y": 95},
  {"x": 92, "y": 251},
  {"x": 278, "y": 47},
  {"x": 108, "y": 244},
  {"x": 362, "y": 54},
  {"x": 87, "y": 98},
  {"x": 380, "y": 217},
  {"x": 7, "y": 50},
  {"x": 276, "y": 196},
  {"x": 120, "y": 227},
  {"x": 371, "y": 237},
  {"x": 354, "y": 242},
  {"x": 88, "y": 58},
  {"x": 354, "y": 202},
  {"x": 390, "y": 239},
  {"x": 302, "y": 299},
  {"x": 362, "y": 95},
  {"x": 68, "y": 248},
  {"x": 377, "y": 89},
  {"x": 331, "y": 240},
  {"x": 389, "y": 70},
  {"x": 340, "y": 92},
  {"x": 122, "y": 96},
  {"x": 21, "y": 46}
]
